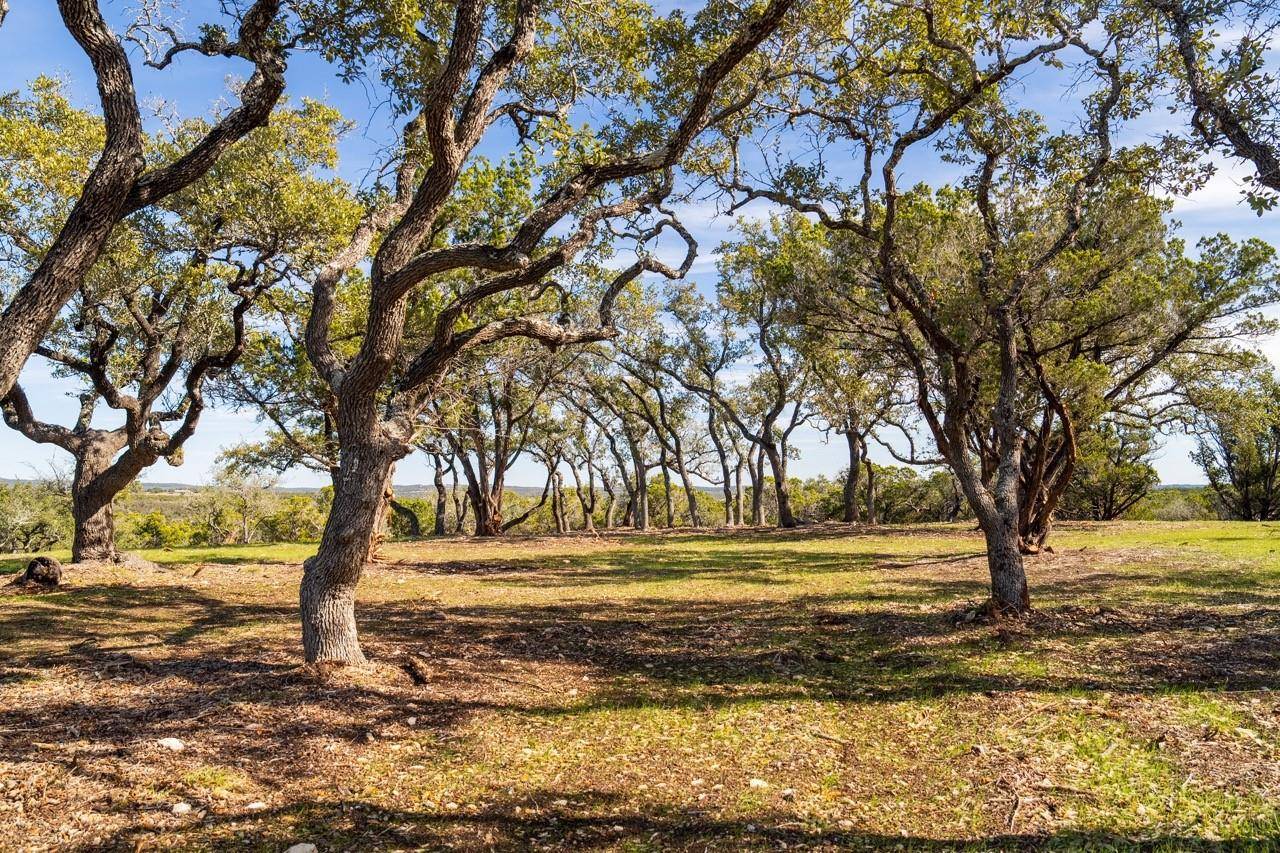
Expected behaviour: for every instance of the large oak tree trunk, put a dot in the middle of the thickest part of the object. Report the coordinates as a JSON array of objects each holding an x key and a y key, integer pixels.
[
  {"x": 327, "y": 595},
  {"x": 998, "y": 517},
  {"x": 1009, "y": 593},
  {"x": 95, "y": 529},
  {"x": 995, "y": 497},
  {"x": 488, "y": 520},
  {"x": 92, "y": 494},
  {"x": 1001, "y": 521}
]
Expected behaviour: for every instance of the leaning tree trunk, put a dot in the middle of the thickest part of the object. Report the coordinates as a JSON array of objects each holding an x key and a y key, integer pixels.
[
  {"x": 690, "y": 494},
  {"x": 756, "y": 467},
  {"x": 327, "y": 596},
  {"x": 409, "y": 516},
  {"x": 851, "y": 515},
  {"x": 640, "y": 502},
  {"x": 100, "y": 204},
  {"x": 779, "y": 467}
]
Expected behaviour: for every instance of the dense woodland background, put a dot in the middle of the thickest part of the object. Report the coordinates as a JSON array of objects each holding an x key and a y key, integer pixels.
[{"x": 36, "y": 515}]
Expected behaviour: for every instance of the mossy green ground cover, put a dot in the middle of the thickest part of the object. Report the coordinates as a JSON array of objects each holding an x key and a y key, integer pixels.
[{"x": 818, "y": 689}]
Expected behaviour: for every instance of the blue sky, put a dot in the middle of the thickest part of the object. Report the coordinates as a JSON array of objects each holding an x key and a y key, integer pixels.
[{"x": 33, "y": 42}]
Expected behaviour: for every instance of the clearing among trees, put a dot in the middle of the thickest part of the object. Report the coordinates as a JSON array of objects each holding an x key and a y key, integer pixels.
[{"x": 817, "y": 688}]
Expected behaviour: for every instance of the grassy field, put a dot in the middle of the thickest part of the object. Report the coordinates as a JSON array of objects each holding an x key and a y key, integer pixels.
[{"x": 819, "y": 689}]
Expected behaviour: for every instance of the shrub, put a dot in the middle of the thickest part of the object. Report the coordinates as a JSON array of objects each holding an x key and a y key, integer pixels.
[
  {"x": 156, "y": 530},
  {"x": 33, "y": 517},
  {"x": 299, "y": 518}
]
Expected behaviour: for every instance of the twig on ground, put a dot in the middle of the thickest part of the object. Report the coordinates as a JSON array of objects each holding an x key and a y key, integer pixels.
[
  {"x": 1017, "y": 802},
  {"x": 509, "y": 680},
  {"x": 1022, "y": 718},
  {"x": 824, "y": 736}
]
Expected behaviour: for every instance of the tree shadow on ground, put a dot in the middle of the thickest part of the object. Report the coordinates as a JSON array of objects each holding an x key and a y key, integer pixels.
[
  {"x": 642, "y": 652},
  {"x": 77, "y": 614},
  {"x": 595, "y": 820},
  {"x": 189, "y": 665},
  {"x": 706, "y": 653},
  {"x": 756, "y": 567},
  {"x": 136, "y": 664}
]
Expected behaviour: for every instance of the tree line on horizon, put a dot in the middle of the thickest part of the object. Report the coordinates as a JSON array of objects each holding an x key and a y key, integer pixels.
[
  {"x": 234, "y": 510},
  {"x": 513, "y": 278}
]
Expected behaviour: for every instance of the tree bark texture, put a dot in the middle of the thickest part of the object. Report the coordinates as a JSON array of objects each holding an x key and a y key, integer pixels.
[{"x": 327, "y": 596}]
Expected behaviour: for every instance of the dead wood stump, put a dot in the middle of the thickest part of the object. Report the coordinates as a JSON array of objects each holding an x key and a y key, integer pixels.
[{"x": 42, "y": 572}]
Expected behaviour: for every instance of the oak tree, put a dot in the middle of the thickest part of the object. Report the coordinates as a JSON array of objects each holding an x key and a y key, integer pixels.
[
  {"x": 124, "y": 176},
  {"x": 169, "y": 300},
  {"x": 522, "y": 66}
]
